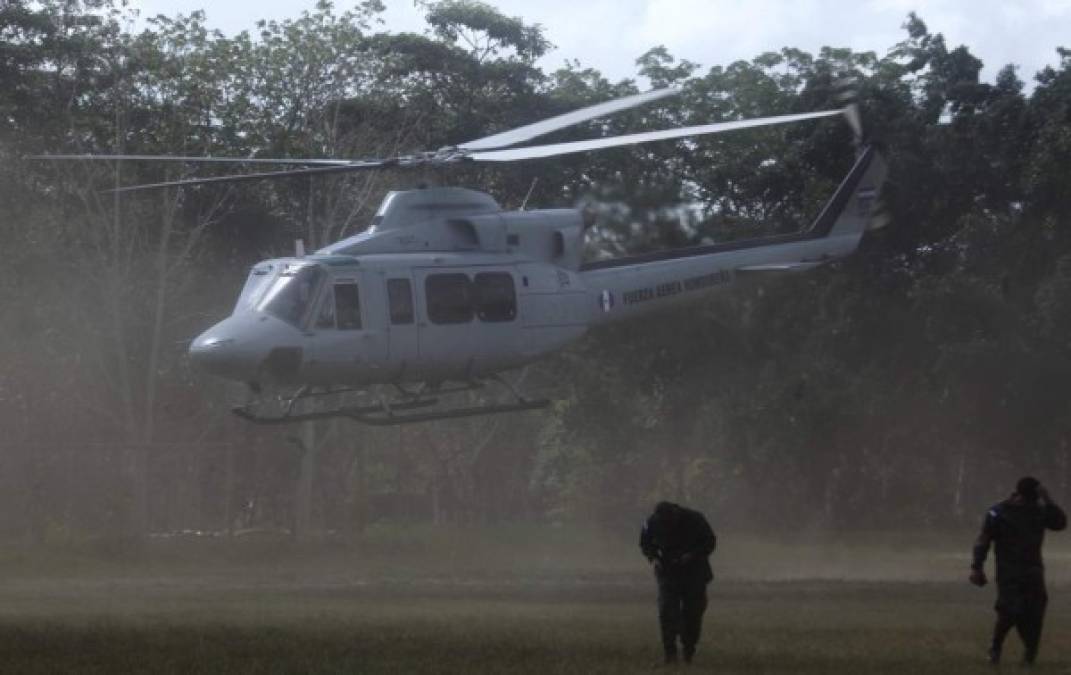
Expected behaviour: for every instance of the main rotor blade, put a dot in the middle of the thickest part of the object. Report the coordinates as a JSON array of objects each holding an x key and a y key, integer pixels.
[
  {"x": 530, "y": 131},
  {"x": 555, "y": 149},
  {"x": 173, "y": 158},
  {"x": 244, "y": 177}
]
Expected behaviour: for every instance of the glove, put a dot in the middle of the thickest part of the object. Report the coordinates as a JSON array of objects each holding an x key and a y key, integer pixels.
[
  {"x": 978, "y": 578},
  {"x": 1043, "y": 495}
]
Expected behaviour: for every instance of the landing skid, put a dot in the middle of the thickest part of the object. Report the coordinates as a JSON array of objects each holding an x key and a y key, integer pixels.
[{"x": 425, "y": 404}]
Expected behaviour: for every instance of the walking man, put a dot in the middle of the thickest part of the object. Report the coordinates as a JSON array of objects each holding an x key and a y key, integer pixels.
[
  {"x": 1016, "y": 528},
  {"x": 677, "y": 542}
]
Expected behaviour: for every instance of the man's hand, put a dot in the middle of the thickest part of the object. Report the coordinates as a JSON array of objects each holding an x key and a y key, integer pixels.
[{"x": 978, "y": 578}]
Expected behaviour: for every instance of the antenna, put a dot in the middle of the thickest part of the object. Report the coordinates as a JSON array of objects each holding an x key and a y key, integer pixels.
[{"x": 530, "y": 189}]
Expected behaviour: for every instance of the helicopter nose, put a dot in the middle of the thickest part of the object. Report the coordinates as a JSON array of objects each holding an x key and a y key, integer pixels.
[
  {"x": 217, "y": 352},
  {"x": 209, "y": 351}
]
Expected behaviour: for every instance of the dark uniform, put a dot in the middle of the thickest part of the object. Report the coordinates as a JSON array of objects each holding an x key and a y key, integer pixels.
[
  {"x": 678, "y": 541},
  {"x": 1016, "y": 528}
]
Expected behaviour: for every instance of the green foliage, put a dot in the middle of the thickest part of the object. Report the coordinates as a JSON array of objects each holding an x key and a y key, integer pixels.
[
  {"x": 904, "y": 385},
  {"x": 484, "y": 30}
]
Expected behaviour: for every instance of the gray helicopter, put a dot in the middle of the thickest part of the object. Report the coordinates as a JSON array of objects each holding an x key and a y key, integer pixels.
[{"x": 445, "y": 290}]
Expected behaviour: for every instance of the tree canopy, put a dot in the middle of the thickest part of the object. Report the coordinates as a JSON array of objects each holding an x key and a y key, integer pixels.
[{"x": 899, "y": 387}]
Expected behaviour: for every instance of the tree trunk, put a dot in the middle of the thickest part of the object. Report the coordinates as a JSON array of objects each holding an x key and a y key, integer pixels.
[
  {"x": 436, "y": 499},
  {"x": 306, "y": 477},
  {"x": 228, "y": 492},
  {"x": 957, "y": 493},
  {"x": 357, "y": 489}
]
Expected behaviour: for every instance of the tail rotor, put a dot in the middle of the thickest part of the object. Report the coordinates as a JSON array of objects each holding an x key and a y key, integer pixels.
[{"x": 847, "y": 89}]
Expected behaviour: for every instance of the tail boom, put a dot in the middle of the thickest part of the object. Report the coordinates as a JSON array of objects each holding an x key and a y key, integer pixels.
[{"x": 625, "y": 287}]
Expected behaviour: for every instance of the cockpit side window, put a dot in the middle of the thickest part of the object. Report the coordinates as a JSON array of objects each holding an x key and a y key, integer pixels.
[
  {"x": 291, "y": 292},
  {"x": 348, "y": 306},
  {"x": 325, "y": 318}
]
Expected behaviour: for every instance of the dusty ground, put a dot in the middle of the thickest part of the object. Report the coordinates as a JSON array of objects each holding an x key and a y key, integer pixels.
[{"x": 829, "y": 608}]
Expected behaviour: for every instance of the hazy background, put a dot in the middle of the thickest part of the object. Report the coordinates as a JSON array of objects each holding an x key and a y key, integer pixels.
[
  {"x": 877, "y": 406},
  {"x": 843, "y": 431}
]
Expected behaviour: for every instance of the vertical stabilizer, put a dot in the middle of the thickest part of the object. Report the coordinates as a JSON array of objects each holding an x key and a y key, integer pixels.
[{"x": 853, "y": 204}]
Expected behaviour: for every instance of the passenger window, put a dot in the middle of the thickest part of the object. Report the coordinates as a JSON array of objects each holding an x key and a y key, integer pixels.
[
  {"x": 449, "y": 298},
  {"x": 496, "y": 299},
  {"x": 400, "y": 297},
  {"x": 347, "y": 306},
  {"x": 325, "y": 318}
]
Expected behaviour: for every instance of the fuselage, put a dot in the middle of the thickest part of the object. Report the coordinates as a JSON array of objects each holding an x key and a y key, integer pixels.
[
  {"x": 447, "y": 286},
  {"x": 394, "y": 318}
]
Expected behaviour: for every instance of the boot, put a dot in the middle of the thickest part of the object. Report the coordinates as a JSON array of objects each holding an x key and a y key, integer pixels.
[
  {"x": 993, "y": 656},
  {"x": 689, "y": 653},
  {"x": 670, "y": 657}
]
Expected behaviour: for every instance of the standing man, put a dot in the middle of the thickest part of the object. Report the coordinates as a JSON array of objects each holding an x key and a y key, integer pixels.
[
  {"x": 1016, "y": 528},
  {"x": 678, "y": 541}
]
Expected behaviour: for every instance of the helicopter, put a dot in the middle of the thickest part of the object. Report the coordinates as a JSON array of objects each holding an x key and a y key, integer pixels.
[{"x": 445, "y": 291}]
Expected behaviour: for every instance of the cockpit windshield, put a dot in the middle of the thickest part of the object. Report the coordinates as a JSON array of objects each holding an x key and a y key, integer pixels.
[
  {"x": 255, "y": 285},
  {"x": 291, "y": 292}
]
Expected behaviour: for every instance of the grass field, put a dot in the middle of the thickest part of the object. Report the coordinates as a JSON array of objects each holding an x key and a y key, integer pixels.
[{"x": 340, "y": 612}]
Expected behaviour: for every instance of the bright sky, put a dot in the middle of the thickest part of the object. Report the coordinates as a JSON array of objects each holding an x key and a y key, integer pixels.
[{"x": 610, "y": 34}]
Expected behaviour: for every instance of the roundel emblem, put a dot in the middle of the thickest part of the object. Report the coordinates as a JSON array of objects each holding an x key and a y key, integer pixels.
[{"x": 606, "y": 301}]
